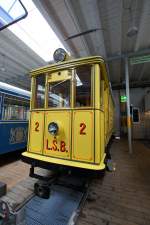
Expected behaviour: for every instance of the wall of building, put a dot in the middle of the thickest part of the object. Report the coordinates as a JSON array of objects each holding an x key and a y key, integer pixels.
[
  {"x": 140, "y": 130},
  {"x": 116, "y": 96}
]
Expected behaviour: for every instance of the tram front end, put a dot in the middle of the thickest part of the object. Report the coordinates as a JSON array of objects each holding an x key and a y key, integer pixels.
[{"x": 67, "y": 115}]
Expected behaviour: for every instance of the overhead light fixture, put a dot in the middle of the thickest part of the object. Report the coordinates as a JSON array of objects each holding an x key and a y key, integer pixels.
[
  {"x": 132, "y": 31},
  {"x": 3, "y": 69}
]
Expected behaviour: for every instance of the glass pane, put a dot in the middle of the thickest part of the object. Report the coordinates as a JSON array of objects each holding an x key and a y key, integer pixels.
[
  {"x": 40, "y": 91},
  {"x": 59, "y": 94},
  {"x": 102, "y": 94},
  {"x": 15, "y": 108},
  {"x": 136, "y": 118},
  {"x": 10, "y": 11},
  {"x": 83, "y": 86}
]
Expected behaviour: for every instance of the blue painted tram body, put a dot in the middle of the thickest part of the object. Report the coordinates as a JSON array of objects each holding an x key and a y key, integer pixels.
[{"x": 14, "y": 109}]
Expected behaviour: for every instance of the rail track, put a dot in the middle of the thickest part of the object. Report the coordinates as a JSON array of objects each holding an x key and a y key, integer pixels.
[{"x": 63, "y": 199}]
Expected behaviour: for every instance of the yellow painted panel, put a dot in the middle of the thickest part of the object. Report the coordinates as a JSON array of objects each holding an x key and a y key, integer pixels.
[
  {"x": 111, "y": 117},
  {"x": 97, "y": 86},
  {"x": 36, "y": 132},
  {"x": 60, "y": 75},
  {"x": 106, "y": 118},
  {"x": 83, "y": 135},
  {"x": 60, "y": 145},
  {"x": 97, "y": 136},
  {"x": 58, "y": 161},
  {"x": 102, "y": 139}
]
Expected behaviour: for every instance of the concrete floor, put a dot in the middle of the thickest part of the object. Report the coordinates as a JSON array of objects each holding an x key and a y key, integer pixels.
[{"x": 121, "y": 197}]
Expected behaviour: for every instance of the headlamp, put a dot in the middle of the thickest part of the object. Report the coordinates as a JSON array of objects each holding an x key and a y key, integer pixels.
[
  {"x": 53, "y": 128},
  {"x": 59, "y": 55}
]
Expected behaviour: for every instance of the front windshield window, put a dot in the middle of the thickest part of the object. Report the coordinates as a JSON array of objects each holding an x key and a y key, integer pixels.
[
  {"x": 83, "y": 86},
  {"x": 39, "y": 91},
  {"x": 59, "y": 94}
]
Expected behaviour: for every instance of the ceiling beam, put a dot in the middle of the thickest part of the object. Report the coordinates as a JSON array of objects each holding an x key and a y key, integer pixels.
[
  {"x": 50, "y": 14},
  {"x": 138, "y": 16},
  {"x": 143, "y": 15},
  {"x": 16, "y": 57},
  {"x": 136, "y": 84},
  {"x": 11, "y": 74},
  {"x": 74, "y": 16},
  {"x": 111, "y": 25},
  {"x": 16, "y": 43},
  {"x": 17, "y": 83},
  {"x": 128, "y": 54},
  {"x": 12, "y": 67},
  {"x": 100, "y": 40},
  {"x": 19, "y": 55},
  {"x": 141, "y": 72}
]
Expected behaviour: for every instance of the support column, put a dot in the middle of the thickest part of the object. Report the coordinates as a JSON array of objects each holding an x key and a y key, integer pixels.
[{"x": 128, "y": 105}]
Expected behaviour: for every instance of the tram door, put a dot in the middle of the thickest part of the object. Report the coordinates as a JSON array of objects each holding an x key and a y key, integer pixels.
[
  {"x": 83, "y": 116},
  {"x": 70, "y": 103},
  {"x": 58, "y": 90},
  {"x": 36, "y": 124}
]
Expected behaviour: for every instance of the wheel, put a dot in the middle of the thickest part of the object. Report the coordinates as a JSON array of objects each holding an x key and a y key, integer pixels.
[
  {"x": 99, "y": 174},
  {"x": 102, "y": 173},
  {"x": 42, "y": 190}
]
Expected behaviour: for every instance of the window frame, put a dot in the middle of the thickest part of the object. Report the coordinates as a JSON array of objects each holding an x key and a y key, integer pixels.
[
  {"x": 34, "y": 90},
  {"x": 72, "y": 90},
  {"x": 21, "y": 99},
  {"x": 92, "y": 88},
  {"x": 136, "y": 108},
  {"x": 102, "y": 94},
  {"x": 1, "y": 105},
  {"x": 70, "y": 98}
]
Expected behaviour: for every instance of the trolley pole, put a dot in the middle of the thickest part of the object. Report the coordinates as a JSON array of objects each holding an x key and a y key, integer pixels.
[{"x": 128, "y": 105}]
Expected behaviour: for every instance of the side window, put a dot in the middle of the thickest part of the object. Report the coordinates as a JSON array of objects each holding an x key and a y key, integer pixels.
[
  {"x": 102, "y": 94},
  {"x": 39, "y": 92},
  {"x": 0, "y": 106},
  {"x": 15, "y": 108},
  {"x": 136, "y": 115},
  {"x": 83, "y": 93}
]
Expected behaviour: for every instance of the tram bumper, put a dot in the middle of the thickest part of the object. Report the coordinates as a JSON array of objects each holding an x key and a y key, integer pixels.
[{"x": 51, "y": 163}]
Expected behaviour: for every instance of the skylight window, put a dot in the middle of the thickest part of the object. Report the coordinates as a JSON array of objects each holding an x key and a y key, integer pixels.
[
  {"x": 11, "y": 11},
  {"x": 36, "y": 32}
]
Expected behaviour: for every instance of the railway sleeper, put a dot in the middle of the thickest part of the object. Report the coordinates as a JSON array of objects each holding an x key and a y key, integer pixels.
[{"x": 34, "y": 209}]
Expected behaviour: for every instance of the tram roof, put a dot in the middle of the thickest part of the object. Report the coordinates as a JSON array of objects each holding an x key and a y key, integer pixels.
[
  {"x": 68, "y": 63},
  {"x": 72, "y": 63}
]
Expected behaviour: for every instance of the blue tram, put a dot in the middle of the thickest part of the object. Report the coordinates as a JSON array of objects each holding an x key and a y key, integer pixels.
[{"x": 14, "y": 113}]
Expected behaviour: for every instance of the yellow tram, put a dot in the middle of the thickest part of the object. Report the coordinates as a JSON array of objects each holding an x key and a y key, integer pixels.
[{"x": 71, "y": 114}]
